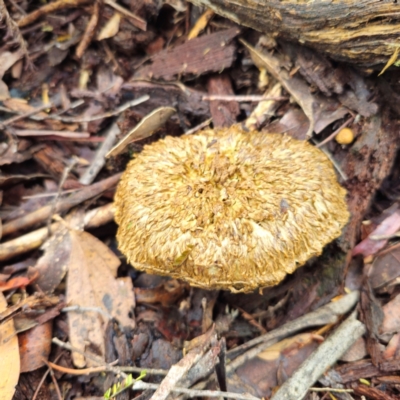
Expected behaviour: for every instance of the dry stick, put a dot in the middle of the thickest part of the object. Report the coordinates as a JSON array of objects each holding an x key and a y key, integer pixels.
[
  {"x": 55, "y": 383},
  {"x": 140, "y": 385},
  {"x": 135, "y": 20},
  {"x": 198, "y": 127},
  {"x": 16, "y": 118},
  {"x": 99, "y": 159},
  {"x": 48, "y": 8},
  {"x": 37, "y": 390},
  {"x": 333, "y": 134},
  {"x": 296, "y": 387},
  {"x": 108, "y": 114},
  {"x": 33, "y": 240},
  {"x": 41, "y": 132},
  {"x": 43, "y": 213},
  {"x": 97, "y": 360},
  {"x": 242, "y": 98},
  {"x": 89, "y": 31},
  {"x": 92, "y": 370}
]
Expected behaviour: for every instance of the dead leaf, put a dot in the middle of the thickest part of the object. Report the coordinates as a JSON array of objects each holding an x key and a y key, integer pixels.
[
  {"x": 98, "y": 296},
  {"x": 145, "y": 128},
  {"x": 372, "y": 244},
  {"x": 35, "y": 346},
  {"x": 391, "y": 319},
  {"x": 200, "y": 24},
  {"x": 111, "y": 28},
  {"x": 8, "y": 59},
  {"x": 297, "y": 87},
  {"x": 53, "y": 264},
  {"x": 391, "y": 60},
  {"x": 10, "y": 364},
  {"x": 385, "y": 270}
]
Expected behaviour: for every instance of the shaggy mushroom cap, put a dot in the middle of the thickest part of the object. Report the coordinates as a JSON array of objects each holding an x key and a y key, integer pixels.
[{"x": 227, "y": 209}]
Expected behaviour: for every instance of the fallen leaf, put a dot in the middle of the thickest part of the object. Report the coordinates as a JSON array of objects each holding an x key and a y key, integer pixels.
[
  {"x": 391, "y": 319},
  {"x": 385, "y": 270},
  {"x": 145, "y": 128},
  {"x": 35, "y": 346},
  {"x": 391, "y": 60},
  {"x": 370, "y": 246},
  {"x": 53, "y": 264},
  {"x": 111, "y": 28},
  {"x": 96, "y": 294},
  {"x": 200, "y": 24},
  {"x": 10, "y": 364}
]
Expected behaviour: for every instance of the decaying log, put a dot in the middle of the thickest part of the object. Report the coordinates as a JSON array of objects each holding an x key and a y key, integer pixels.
[{"x": 364, "y": 32}]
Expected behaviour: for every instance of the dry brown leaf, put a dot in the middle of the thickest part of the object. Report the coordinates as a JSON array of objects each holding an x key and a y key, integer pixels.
[
  {"x": 35, "y": 346},
  {"x": 53, "y": 264},
  {"x": 145, "y": 128},
  {"x": 9, "y": 355},
  {"x": 111, "y": 28},
  {"x": 98, "y": 296}
]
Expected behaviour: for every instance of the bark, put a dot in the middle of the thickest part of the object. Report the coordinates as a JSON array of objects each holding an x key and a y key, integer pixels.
[{"x": 365, "y": 32}]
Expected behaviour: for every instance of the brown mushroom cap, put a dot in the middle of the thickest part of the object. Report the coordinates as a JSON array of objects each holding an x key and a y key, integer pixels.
[{"x": 227, "y": 209}]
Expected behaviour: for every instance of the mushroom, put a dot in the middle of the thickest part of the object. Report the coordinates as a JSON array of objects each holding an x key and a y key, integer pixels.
[{"x": 228, "y": 209}]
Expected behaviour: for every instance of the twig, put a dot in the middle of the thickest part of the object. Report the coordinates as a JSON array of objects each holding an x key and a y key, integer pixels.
[
  {"x": 326, "y": 389},
  {"x": 297, "y": 386},
  {"x": 333, "y": 134},
  {"x": 109, "y": 367},
  {"x": 99, "y": 159},
  {"x": 65, "y": 204},
  {"x": 40, "y": 384},
  {"x": 140, "y": 385},
  {"x": 135, "y": 20},
  {"x": 242, "y": 98},
  {"x": 92, "y": 370},
  {"x": 48, "y": 8},
  {"x": 89, "y": 31},
  {"x": 198, "y": 127},
  {"x": 108, "y": 114},
  {"x": 40, "y": 132},
  {"x": 33, "y": 240},
  {"x": 79, "y": 309},
  {"x": 53, "y": 378},
  {"x": 16, "y": 118}
]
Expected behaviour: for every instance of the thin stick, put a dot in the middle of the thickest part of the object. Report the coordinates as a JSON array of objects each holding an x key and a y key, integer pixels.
[
  {"x": 198, "y": 127},
  {"x": 41, "y": 132},
  {"x": 333, "y": 134},
  {"x": 16, "y": 118},
  {"x": 108, "y": 114},
  {"x": 242, "y": 98},
  {"x": 135, "y": 20},
  {"x": 140, "y": 385}
]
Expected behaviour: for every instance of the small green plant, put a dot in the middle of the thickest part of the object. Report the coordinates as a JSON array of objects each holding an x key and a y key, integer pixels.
[{"x": 119, "y": 387}]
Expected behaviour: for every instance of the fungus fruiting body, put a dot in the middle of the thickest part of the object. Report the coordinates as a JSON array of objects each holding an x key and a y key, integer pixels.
[{"x": 228, "y": 209}]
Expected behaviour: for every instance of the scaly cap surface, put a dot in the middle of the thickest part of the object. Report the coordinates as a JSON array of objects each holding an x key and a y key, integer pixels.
[{"x": 227, "y": 209}]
